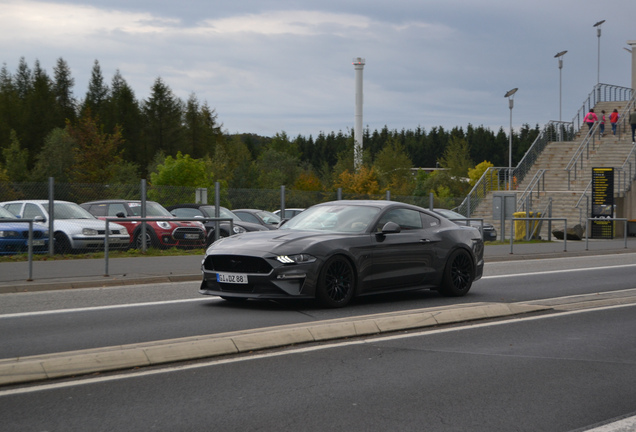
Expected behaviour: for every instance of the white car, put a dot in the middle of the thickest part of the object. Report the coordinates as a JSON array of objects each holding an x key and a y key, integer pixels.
[{"x": 76, "y": 229}]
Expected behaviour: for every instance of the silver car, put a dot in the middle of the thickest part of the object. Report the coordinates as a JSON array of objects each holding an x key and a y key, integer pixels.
[{"x": 75, "y": 229}]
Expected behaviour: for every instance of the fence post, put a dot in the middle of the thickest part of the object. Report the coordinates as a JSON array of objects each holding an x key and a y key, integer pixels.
[
  {"x": 143, "y": 215},
  {"x": 388, "y": 195},
  {"x": 51, "y": 216},
  {"x": 282, "y": 202},
  {"x": 431, "y": 201},
  {"x": 339, "y": 195},
  {"x": 217, "y": 210}
]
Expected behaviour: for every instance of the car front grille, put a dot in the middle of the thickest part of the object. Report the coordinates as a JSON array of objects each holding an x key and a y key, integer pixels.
[
  {"x": 36, "y": 234},
  {"x": 237, "y": 264},
  {"x": 182, "y": 233},
  {"x": 111, "y": 232}
]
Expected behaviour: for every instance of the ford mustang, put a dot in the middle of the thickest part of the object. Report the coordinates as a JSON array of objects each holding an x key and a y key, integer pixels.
[{"x": 335, "y": 251}]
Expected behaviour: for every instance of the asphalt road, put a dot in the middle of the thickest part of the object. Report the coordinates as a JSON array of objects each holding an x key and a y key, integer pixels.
[{"x": 564, "y": 372}]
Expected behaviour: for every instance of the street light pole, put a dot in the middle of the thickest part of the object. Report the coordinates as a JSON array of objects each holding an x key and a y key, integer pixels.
[
  {"x": 598, "y": 63},
  {"x": 560, "y": 57},
  {"x": 511, "y": 104}
]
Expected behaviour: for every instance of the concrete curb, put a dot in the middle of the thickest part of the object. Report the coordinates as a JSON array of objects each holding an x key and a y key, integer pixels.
[{"x": 67, "y": 364}]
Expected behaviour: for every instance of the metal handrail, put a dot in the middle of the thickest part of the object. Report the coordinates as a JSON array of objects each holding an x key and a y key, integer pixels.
[{"x": 538, "y": 179}]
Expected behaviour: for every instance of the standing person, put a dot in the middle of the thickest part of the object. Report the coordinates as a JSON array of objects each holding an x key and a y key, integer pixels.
[
  {"x": 602, "y": 125},
  {"x": 590, "y": 118},
  {"x": 614, "y": 119},
  {"x": 632, "y": 121}
]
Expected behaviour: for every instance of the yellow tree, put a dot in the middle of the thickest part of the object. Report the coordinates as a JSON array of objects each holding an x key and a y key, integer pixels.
[{"x": 364, "y": 182}]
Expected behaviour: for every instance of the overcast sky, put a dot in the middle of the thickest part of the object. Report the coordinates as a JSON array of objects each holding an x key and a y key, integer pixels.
[{"x": 270, "y": 66}]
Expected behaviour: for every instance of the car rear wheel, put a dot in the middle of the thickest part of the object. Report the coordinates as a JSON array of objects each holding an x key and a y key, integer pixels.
[
  {"x": 336, "y": 283},
  {"x": 458, "y": 274}
]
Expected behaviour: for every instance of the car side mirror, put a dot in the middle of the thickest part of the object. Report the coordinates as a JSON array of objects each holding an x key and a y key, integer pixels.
[
  {"x": 40, "y": 219},
  {"x": 120, "y": 215},
  {"x": 391, "y": 228}
]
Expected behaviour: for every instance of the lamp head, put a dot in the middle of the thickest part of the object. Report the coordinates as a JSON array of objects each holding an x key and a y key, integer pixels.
[
  {"x": 561, "y": 54},
  {"x": 511, "y": 92}
]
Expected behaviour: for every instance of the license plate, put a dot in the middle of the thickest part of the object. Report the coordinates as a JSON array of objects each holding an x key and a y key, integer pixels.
[
  {"x": 232, "y": 278},
  {"x": 192, "y": 236},
  {"x": 38, "y": 242}
]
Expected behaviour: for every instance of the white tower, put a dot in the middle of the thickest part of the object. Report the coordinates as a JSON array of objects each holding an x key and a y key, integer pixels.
[{"x": 358, "y": 64}]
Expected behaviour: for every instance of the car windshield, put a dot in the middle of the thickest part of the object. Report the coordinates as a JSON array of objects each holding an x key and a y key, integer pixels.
[
  {"x": 6, "y": 214},
  {"x": 223, "y": 212},
  {"x": 67, "y": 210},
  {"x": 268, "y": 218},
  {"x": 334, "y": 218},
  {"x": 153, "y": 209}
]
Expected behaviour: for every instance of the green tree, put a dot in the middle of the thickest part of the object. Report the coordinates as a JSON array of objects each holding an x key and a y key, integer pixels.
[
  {"x": 55, "y": 158},
  {"x": 393, "y": 167},
  {"x": 63, "y": 88},
  {"x": 163, "y": 113},
  {"x": 183, "y": 170},
  {"x": 16, "y": 159},
  {"x": 474, "y": 174},
  {"x": 456, "y": 157},
  {"x": 97, "y": 94},
  {"x": 277, "y": 168}
]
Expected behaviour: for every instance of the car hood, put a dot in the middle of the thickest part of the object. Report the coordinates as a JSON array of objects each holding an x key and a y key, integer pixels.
[
  {"x": 272, "y": 242},
  {"x": 86, "y": 223},
  {"x": 17, "y": 226}
]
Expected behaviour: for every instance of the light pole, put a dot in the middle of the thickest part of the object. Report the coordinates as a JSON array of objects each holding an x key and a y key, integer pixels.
[
  {"x": 511, "y": 103},
  {"x": 598, "y": 63},
  {"x": 560, "y": 57}
]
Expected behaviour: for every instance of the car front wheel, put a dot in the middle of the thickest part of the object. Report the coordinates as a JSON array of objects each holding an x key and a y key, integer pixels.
[
  {"x": 336, "y": 283},
  {"x": 458, "y": 274}
]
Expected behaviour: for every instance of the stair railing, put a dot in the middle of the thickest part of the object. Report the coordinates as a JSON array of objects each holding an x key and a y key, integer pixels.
[{"x": 536, "y": 184}]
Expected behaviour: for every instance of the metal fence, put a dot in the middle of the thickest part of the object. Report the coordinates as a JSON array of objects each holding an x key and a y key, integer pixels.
[{"x": 232, "y": 198}]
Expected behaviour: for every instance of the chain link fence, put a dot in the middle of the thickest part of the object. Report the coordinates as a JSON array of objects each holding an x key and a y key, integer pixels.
[{"x": 16, "y": 196}]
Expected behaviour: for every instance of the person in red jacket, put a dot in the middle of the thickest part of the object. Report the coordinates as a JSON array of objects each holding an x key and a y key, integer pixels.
[{"x": 614, "y": 119}]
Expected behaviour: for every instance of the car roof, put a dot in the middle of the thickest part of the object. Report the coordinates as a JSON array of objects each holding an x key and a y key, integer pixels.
[{"x": 115, "y": 201}]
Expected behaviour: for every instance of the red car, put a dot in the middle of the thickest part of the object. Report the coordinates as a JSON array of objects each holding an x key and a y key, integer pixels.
[{"x": 162, "y": 234}]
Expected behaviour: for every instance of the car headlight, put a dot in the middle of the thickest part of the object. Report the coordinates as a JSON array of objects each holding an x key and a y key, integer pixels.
[
  {"x": 164, "y": 225},
  {"x": 89, "y": 232},
  {"x": 238, "y": 229},
  {"x": 296, "y": 259},
  {"x": 7, "y": 234}
]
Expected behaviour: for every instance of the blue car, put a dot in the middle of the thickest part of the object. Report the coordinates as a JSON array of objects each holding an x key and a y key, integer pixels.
[{"x": 14, "y": 236}]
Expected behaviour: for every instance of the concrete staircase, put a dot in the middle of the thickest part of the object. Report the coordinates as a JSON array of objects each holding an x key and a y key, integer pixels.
[{"x": 608, "y": 151}]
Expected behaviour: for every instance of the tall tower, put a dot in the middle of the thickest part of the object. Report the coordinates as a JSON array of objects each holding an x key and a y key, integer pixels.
[{"x": 358, "y": 64}]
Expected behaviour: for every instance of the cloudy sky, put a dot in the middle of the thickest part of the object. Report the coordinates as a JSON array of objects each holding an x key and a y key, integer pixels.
[{"x": 269, "y": 66}]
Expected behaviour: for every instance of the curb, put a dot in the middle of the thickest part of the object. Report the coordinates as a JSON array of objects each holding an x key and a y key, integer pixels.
[{"x": 68, "y": 364}]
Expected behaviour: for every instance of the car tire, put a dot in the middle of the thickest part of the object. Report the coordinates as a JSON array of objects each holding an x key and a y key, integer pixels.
[
  {"x": 62, "y": 244},
  {"x": 336, "y": 283},
  {"x": 151, "y": 239},
  {"x": 459, "y": 273}
]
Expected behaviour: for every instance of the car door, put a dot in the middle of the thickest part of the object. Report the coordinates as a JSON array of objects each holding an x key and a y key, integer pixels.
[{"x": 405, "y": 258}]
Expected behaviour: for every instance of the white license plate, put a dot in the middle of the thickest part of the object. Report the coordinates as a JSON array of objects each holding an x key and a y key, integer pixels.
[
  {"x": 38, "y": 242},
  {"x": 233, "y": 278},
  {"x": 192, "y": 236}
]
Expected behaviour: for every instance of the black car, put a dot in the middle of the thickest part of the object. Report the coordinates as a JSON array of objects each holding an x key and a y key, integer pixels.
[
  {"x": 209, "y": 211},
  {"x": 490, "y": 233},
  {"x": 338, "y": 250},
  {"x": 263, "y": 217}
]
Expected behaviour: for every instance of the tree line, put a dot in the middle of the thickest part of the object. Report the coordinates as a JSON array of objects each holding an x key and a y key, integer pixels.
[{"x": 111, "y": 136}]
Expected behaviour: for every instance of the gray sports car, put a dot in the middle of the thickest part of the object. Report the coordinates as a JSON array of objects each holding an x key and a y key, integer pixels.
[{"x": 342, "y": 249}]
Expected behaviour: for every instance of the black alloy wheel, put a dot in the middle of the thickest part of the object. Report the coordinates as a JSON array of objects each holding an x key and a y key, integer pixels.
[
  {"x": 336, "y": 283},
  {"x": 458, "y": 274},
  {"x": 150, "y": 239}
]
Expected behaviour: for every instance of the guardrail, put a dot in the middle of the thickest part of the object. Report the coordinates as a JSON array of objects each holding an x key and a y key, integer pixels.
[
  {"x": 565, "y": 229},
  {"x": 29, "y": 242},
  {"x": 115, "y": 220},
  {"x": 587, "y": 228},
  {"x": 538, "y": 181}
]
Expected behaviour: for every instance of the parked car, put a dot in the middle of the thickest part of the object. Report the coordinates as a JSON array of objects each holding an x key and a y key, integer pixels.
[
  {"x": 14, "y": 236},
  {"x": 337, "y": 250},
  {"x": 490, "y": 233},
  {"x": 160, "y": 234},
  {"x": 268, "y": 219},
  {"x": 289, "y": 212},
  {"x": 75, "y": 229},
  {"x": 209, "y": 211}
]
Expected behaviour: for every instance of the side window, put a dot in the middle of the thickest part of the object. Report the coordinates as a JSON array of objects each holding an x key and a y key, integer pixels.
[
  {"x": 407, "y": 219},
  {"x": 115, "y": 208},
  {"x": 429, "y": 221},
  {"x": 14, "y": 208},
  {"x": 32, "y": 210},
  {"x": 247, "y": 217}
]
